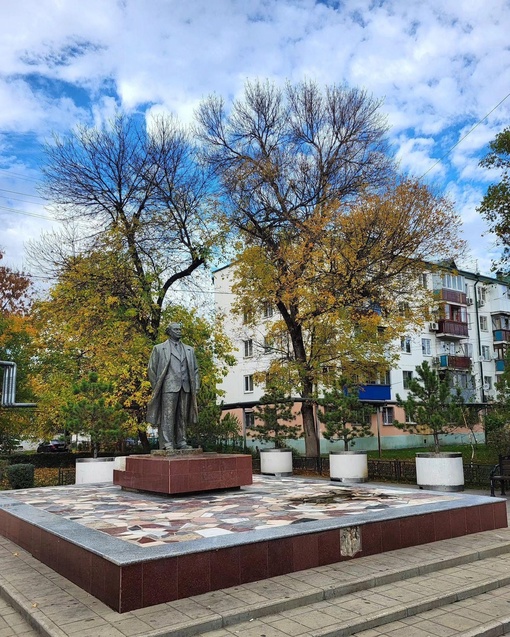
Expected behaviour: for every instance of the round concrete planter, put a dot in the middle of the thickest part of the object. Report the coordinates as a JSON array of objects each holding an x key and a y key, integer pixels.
[
  {"x": 348, "y": 466},
  {"x": 440, "y": 471},
  {"x": 90, "y": 470},
  {"x": 276, "y": 462}
]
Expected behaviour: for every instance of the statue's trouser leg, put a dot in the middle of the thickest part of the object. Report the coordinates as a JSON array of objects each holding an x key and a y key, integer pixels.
[
  {"x": 181, "y": 419},
  {"x": 169, "y": 409}
]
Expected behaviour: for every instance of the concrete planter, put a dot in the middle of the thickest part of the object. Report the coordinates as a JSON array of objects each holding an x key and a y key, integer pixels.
[
  {"x": 276, "y": 462},
  {"x": 91, "y": 470},
  {"x": 348, "y": 466},
  {"x": 440, "y": 471}
]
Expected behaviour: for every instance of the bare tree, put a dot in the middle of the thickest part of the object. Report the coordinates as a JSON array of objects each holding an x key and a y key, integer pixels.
[
  {"x": 139, "y": 183},
  {"x": 328, "y": 227}
]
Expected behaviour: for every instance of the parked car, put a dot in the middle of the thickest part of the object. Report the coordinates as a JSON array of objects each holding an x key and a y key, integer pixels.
[{"x": 53, "y": 445}]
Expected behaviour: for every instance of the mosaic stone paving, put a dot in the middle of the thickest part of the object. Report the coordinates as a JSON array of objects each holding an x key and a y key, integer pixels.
[{"x": 150, "y": 520}]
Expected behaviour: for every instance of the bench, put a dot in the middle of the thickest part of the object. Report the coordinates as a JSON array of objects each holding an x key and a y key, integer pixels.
[{"x": 500, "y": 473}]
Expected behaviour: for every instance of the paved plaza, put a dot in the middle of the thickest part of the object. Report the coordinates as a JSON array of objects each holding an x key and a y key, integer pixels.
[{"x": 455, "y": 587}]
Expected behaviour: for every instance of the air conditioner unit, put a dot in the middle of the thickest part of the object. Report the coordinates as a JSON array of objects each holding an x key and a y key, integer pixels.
[
  {"x": 433, "y": 326},
  {"x": 481, "y": 303},
  {"x": 486, "y": 387},
  {"x": 481, "y": 359},
  {"x": 469, "y": 301},
  {"x": 494, "y": 356},
  {"x": 436, "y": 361}
]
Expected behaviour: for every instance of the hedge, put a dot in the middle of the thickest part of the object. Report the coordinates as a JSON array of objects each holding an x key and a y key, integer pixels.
[{"x": 52, "y": 460}]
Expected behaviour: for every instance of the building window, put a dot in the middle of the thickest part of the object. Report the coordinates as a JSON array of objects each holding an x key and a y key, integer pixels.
[
  {"x": 248, "y": 316},
  {"x": 249, "y": 419},
  {"x": 453, "y": 282},
  {"x": 387, "y": 415},
  {"x": 486, "y": 352},
  {"x": 426, "y": 347},
  {"x": 484, "y": 325},
  {"x": 482, "y": 296},
  {"x": 407, "y": 377},
  {"x": 268, "y": 345},
  {"x": 404, "y": 309},
  {"x": 248, "y": 384},
  {"x": 424, "y": 280},
  {"x": 268, "y": 310},
  {"x": 405, "y": 344},
  {"x": 248, "y": 348}
]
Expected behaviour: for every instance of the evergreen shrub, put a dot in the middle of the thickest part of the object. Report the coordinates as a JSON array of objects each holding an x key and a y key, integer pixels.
[{"x": 21, "y": 476}]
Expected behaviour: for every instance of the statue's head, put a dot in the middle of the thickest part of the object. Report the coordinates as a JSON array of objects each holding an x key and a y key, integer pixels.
[{"x": 174, "y": 330}]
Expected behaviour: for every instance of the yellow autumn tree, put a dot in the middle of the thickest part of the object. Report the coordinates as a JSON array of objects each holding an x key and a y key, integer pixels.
[
  {"x": 328, "y": 232},
  {"x": 346, "y": 285},
  {"x": 93, "y": 321}
]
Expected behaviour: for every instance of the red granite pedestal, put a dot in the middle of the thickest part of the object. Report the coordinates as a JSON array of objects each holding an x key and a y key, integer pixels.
[{"x": 173, "y": 475}]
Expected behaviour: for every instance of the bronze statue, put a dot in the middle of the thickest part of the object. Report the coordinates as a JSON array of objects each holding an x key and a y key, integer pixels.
[{"x": 173, "y": 374}]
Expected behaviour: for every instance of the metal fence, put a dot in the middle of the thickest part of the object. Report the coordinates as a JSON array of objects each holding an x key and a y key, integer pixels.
[
  {"x": 476, "y": 475},
  {"x": 66, "y": 476}
]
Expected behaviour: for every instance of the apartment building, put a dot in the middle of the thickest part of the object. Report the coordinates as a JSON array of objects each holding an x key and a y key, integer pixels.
[{"x": 468, "y": 337}]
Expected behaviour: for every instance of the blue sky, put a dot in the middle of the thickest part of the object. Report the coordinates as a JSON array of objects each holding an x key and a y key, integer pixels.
[{"x": 439, "y": 66}]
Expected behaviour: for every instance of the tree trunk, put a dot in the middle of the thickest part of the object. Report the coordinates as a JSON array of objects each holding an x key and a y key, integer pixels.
[{"x": 312, "y": 448}]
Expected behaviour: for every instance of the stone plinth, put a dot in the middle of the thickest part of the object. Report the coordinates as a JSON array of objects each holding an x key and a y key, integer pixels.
[{"x": 173, "y": 474}]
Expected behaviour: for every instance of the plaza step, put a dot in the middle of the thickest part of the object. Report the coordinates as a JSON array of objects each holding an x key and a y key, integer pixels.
[{"x": 455, "y": 587}]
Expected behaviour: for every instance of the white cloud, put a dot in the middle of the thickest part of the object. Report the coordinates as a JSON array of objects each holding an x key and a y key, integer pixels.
[{"x": 438, "y": 67}]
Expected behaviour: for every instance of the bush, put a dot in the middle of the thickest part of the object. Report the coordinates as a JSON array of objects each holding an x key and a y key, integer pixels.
[{"x": 21, "y": 476}]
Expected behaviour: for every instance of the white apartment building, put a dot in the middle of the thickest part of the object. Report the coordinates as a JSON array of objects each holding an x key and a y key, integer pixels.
[{"x": 468, "y": 337}]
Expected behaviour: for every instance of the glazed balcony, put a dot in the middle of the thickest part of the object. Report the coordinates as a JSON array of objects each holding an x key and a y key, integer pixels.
[
  {"x": 500, "y": 365},
  {"x": 501, "y": 336}
]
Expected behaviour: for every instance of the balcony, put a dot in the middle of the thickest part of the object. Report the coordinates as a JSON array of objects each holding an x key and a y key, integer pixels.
[
  {"x": 451, "y": 296},
  {"x": 374, "y": 392},
  {"x": 500, "y": 366},
  {"x": 501, "y": 336},
  {"x": 454, "y": 362},
  {"x": 452, "y": 329}
]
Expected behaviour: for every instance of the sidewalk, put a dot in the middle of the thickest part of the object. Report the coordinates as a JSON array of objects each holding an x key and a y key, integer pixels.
[{"x": 454, "y": 587}]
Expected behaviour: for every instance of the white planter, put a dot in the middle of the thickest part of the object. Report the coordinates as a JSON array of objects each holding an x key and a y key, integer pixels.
[
  {"x": 348, "y": 466},
  {"x": 91, "y": 470},
  {"x": 276, "y": 462},
  {"x": 440, "y": 471}
]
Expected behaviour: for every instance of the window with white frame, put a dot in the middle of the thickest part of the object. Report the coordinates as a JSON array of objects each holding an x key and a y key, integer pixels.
[
  {"x": 407, "y": 376},
  {"x": 484, "y": 324},
  {"x": 486, "y": 352},
  {"x": 426, "y": 347},
  {"x": 405, "y": 344},
  {"x": 453, "y": 282},
  {"x": 248, "y": 348},
  {"x": 388, "y": 415},
  {"x": 248, "y": 384},
  {"x": 482, "y": 295},
  {"x": 268, "y": 310}
]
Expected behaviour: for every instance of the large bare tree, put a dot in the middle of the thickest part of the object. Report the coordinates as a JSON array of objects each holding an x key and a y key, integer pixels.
[{"x": 329, "y": 231}]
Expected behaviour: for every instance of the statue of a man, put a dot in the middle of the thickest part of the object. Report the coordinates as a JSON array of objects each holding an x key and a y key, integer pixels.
[{"x": 173, "y": 374}]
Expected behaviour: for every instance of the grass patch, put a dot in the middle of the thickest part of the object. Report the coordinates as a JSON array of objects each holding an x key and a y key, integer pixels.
[{"x": 482, "y": 454}]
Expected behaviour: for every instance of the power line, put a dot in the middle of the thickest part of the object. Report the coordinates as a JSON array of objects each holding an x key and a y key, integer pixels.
[
  {"x": 23, "y": 194},
  {"x": 464, "y": 137},
  {"x": 27, "y": 214}
]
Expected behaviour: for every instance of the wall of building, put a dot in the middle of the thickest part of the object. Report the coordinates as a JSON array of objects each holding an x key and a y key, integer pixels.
[{"x": 462, "y": 338}]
